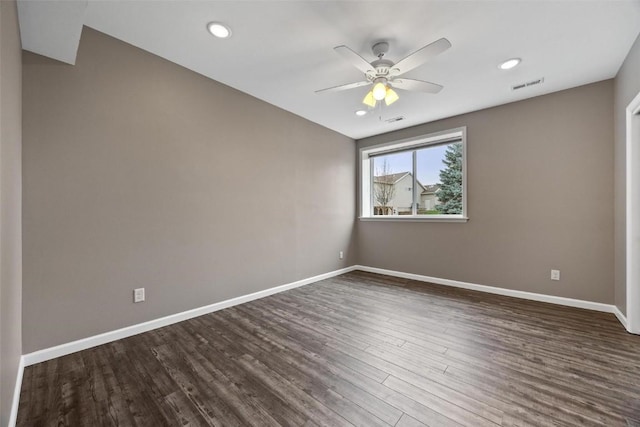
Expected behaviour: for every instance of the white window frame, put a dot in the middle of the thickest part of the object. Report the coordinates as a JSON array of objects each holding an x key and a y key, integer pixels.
[{"x": 366, "y": 176}]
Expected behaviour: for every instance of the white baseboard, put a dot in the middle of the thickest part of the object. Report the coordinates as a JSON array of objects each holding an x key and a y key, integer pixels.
[
  {"x": 13, "y": 416},
  {"x": 85, "y": 343},
  {"x": 621, "y": 317},
  {"x": 597, "y": 306}
]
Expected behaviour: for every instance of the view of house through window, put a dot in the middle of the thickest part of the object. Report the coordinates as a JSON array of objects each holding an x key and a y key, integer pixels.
[
  {"x": 392, "y": 191},
  {"x": 423, "y": 179}
]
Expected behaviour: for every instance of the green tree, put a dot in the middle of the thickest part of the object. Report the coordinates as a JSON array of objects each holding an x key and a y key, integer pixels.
[{"x": 450, "y": 194}]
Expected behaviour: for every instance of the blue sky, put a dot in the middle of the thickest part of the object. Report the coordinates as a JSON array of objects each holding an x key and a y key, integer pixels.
[{"x": 429, "y": 163}]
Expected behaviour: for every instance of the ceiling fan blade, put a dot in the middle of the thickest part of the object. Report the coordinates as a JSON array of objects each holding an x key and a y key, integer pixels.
[
  {"x": 421, "y": 56},
  {"x": 343, "y": 87},
  {"x": 416, "y": 85},
  {"x": 356, "y": 60}
]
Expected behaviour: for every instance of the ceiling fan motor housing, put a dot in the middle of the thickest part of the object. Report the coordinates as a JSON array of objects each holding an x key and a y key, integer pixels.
[
  {"x": 382, "y": 67},
  {"x": 380, "y": 48}
]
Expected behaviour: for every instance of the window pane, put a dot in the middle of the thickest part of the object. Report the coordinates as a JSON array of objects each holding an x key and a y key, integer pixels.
[
  {"x": 423, "y": 176},
  {"x": 392, "y": 184},
  {"x": 439, "y": 172}
]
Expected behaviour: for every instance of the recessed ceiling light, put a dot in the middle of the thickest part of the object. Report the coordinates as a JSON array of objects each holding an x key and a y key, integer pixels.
[
  {"x": 219, "y": 30},
  {"x": 510, "y": 63},
  {"x": 361, "y": 113}
]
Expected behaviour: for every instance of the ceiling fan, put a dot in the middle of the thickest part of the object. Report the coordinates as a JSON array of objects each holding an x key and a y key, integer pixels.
[{"x": 384, "y": 75}]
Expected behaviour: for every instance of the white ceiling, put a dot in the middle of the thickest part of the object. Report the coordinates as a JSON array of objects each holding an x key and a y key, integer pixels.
[{"x": 282, "y": 51}]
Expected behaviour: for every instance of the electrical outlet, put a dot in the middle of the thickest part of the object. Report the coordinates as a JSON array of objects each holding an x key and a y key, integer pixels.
[
  {"x": 341, "y": 255},
  {"x": 138, "y": 295},
  {"x": 555, "y": 274}
]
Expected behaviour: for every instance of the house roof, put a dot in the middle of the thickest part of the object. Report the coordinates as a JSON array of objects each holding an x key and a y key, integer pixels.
[
  {"x": 395, "y": 177},
  {"x": 391, "y": 178},
  {"x": 431, "y": 189}
]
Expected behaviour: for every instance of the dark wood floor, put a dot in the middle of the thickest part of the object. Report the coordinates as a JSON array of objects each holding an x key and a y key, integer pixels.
[{"x": 360, "y": 349}]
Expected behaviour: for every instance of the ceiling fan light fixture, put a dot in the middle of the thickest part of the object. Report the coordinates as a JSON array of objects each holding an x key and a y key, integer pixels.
[
  {"x": 369, "y": 100},
  {"x": 391, "y": 96},
  {"x": 382, "y": 73},
  {"x": 510, "y": 63},
  {"x": 379, "y": 91},
  {"x": 219, "y": 30}
]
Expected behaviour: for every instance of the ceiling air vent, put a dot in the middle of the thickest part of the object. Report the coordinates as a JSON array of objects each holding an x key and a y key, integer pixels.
[
  {"x": 527, "y": 84},
  {"x": 395, "y": 119}
]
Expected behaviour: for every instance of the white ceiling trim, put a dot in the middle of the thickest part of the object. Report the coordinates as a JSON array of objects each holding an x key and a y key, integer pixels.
[{"x": 52, "y": 28}]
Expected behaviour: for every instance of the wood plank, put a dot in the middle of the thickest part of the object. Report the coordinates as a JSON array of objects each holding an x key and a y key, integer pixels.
[
  {"x": 358, "y": 349},
  {"x": 407, "y": 421},
  {"x": 457, "y": 413}
]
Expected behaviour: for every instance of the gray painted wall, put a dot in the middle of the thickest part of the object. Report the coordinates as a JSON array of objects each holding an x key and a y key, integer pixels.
[
  {"x": 140, "y": 173},
  {"x": 200, "y": 193},
  {"x": 626, "y": 87},
  {"x": 10, "y": 211},
  {"x": 540, "y": 196}
]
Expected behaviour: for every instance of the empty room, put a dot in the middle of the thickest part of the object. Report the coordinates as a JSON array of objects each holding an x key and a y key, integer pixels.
[{"x": 319, "y": 213}]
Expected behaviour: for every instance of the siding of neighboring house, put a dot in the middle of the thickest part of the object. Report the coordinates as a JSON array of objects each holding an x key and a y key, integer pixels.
[
  {"x": 428, "y": 201},
  {"x": 429, "y": 197},
  {"x": 403, "y": 195}
]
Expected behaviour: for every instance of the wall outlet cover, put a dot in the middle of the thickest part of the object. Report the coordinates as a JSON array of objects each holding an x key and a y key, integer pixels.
[{"x": 138, "y": 295}]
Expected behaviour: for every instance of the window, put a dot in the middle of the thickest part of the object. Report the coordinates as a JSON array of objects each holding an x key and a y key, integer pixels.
[{"x": 416, "y": 179}]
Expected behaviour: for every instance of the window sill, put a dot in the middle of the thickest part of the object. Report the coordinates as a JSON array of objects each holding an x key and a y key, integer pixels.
[{"x": 416, "y": 218}]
